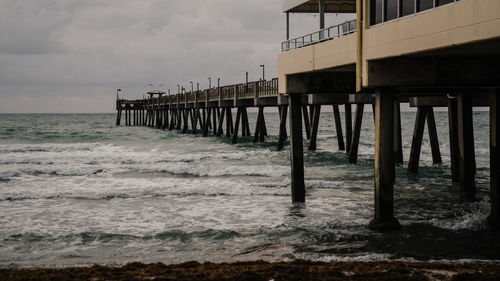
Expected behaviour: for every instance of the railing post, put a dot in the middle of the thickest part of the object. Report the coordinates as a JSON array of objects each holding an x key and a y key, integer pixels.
[
  {"x": 219, "y": 93},
  {"x": 235, "y": 92},
  {"x": 195, "y": 100}
]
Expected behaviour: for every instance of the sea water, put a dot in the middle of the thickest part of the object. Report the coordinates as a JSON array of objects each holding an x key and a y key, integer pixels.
[{"x": 77, "y": 190}]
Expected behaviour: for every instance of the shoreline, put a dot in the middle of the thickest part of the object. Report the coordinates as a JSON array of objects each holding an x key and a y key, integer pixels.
[{"x": 263, "y": 270}]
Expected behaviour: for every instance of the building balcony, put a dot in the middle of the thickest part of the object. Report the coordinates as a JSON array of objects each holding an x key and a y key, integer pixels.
[{"x": 322, "y": 35}]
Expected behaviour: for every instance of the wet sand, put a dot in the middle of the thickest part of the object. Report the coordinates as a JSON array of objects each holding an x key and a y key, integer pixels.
[{"x": 261, "y": 270}]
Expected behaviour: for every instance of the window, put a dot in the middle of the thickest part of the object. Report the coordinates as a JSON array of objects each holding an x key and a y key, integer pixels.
[
  {"x": 386, "y": 10},
  {"x": 423, "y": 5},
  {"x": 375, "y": 11},
  {"x": 407, "y": 7},
  {"x": 391, "y": 9},
  {"x": 443, "y": 2}
]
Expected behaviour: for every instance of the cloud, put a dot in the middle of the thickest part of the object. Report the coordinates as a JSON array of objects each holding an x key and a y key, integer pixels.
[{"x": 51, "y": 49}]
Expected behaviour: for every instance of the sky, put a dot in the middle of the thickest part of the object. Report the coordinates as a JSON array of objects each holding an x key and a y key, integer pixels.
[{"x": 63, "y": 56}]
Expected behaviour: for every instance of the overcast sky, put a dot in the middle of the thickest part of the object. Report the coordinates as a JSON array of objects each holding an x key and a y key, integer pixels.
[{"x": 72, "y": 55}]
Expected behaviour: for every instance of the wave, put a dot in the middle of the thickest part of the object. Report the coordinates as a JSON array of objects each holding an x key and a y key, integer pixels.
[
  {"x": 50, "y": 147},
  {"x": 76, "y": 172},
  {"x": 219, "y": 170},
  {"x": 472, "y": 216},
  {"x": 88, "y": 237}
]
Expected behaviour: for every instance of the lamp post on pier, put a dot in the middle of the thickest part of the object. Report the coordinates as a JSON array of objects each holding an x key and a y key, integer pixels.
[
  {"x": 246, "y": 81},
  {"x": 117, "y": 91},
  {"x": 209, "y": 83},
  {"x": 191, "y": 86},
  {"x": 263, "y": 72}
]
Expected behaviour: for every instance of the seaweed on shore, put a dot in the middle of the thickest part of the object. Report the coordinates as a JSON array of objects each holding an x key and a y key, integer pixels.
[{"x": 261, "y": 270}]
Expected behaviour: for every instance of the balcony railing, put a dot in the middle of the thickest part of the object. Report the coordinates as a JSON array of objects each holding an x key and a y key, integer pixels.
[{"x": 328, "y": 33}]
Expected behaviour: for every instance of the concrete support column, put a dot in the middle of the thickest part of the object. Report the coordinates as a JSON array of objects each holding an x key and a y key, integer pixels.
[
  {"x": 236, "y": 125},
  {"x": 287, "y": 25},
  {"x": 214, "y": 120},
  {"x": 321, "y": 14},
  {"x": 314, "y": 127},
  {"x": 433, "y": 137},
  {"x": 283, "y": 110},
  {"x": 338, "y": 127},
  {"x": 494, "y": 217},
  {"x": 348, "y": 127},
  {"x": 307, "y": 122},
  {"x": 384, "y": 163},
  {"x": 353, "y": 152},
  {"x": 416, "y": 144},
  {"x": 453, "y": 131},
  {"x": 466, "y": 147},
  {"x": 296, "y": 149},
  {"x": 118, "y": 117},
  {"x": 398, "y": 143}
]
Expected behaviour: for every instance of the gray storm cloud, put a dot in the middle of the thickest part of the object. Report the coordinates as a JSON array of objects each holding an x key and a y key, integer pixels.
[{"x": 70, "y": 56}]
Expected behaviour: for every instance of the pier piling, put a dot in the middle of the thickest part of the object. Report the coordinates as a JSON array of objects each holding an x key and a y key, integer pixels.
[
  {"x": 416, "y": 144},
  {"x": 307, "y": 123},
  {"x": 466, "y": 147},
  {"x": 358, "y": 119},
  {"x": 338, "y": 127},
  {"x": 282, "y": 132},
  {"x": 384, "y": 163},
  {"x": 398, "y": 139},
  {"x": 296, "y": 149},
  {"x": 433, "y": 137},
  {"x": 316, "y": 109},
  {"x": 494, "y": 217},
  {"x": 348, "y": 126}
]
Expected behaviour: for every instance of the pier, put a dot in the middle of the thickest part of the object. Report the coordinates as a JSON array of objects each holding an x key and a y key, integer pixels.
[{"x": 426, "y": 53}]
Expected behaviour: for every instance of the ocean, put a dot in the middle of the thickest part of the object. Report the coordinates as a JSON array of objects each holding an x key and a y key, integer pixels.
[{"x": 77, "y": 190}]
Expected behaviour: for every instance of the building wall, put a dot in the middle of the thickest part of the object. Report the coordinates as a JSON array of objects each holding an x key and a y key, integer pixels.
[
  {"x": 337, "y": 52},
  {"x": 464, "y": 22}
]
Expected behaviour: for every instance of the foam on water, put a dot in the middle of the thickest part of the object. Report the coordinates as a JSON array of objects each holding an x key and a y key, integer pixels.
[{"x": 76, "y": 190}]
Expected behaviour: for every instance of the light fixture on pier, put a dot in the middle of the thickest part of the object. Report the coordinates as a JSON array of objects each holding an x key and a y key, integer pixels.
[
  {"x": 209, "y": 83},
  {"x": 117, "y": 91},
  {"x": 263, "y": 72}
]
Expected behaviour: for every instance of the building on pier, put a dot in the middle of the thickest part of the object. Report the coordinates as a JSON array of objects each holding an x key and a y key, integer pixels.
[{"x": 394, "y": 50}]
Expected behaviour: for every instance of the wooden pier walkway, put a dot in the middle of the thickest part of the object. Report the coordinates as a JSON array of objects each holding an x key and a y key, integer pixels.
[{"x": 210, "y": 110}]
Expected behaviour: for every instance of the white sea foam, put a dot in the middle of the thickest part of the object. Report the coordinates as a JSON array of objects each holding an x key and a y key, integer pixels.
[
  {"x": 151, "y": 195},
  {"x": 471, "y": 218}
]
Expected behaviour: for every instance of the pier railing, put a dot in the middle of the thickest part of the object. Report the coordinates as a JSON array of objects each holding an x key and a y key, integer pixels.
[
  {"x": 325, "y": 34},
  {"x": 250, "y": 90}
]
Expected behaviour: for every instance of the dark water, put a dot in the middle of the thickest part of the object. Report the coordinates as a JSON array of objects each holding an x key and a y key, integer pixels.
[{"x": 77, "y": 190}]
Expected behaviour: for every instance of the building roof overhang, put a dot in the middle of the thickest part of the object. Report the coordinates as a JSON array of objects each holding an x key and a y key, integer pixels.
[{"x": 312, "y": 6}]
